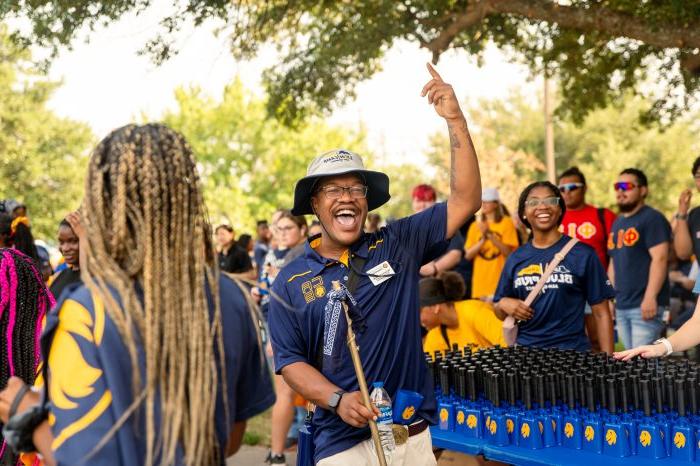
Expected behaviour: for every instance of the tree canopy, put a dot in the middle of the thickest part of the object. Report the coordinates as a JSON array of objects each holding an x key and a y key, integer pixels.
[
  {"x": 598, "y": 49},
  {"x": 509, "y": 137},
  {"x": 249, "y": 164},
  {"x": 42, "y": 156}
]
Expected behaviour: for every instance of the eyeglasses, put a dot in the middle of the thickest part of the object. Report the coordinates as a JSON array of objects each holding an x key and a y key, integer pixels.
[
  {"x": 548, "y": 201},
  {"x": 624, "y": 186},
  {"x": 336, "y": 192},
  {"x": 568, "y": 187}
]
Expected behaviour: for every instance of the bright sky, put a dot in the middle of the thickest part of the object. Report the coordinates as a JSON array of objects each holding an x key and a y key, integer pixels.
[{"x": 107, "y": 84}]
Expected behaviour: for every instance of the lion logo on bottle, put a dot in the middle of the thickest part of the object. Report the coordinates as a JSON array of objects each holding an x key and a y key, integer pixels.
[
  {"x": 679, "y": 440},
  {"x": 589, "y": 433},
  {"x": 645, "y": 438},
  {"x": 569, "y": 430}
]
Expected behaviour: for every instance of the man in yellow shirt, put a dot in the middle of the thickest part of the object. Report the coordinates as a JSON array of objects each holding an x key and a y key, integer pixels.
[{"x": 450, "y": 321}]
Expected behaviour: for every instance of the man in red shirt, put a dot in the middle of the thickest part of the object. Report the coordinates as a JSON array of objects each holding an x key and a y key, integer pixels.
[{"x": 588, "y": 224}]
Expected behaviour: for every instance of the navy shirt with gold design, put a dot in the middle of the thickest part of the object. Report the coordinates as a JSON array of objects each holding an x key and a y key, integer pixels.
[
  {"x": 390, "y": 345},
  {"x": 629, "y": 242},
  {"x": 90, "y": 379},
  {"x": 558, "y": 320}
]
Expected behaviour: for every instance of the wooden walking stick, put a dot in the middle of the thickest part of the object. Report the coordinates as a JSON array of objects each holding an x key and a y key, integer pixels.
[{"x": 362, "y": 382}]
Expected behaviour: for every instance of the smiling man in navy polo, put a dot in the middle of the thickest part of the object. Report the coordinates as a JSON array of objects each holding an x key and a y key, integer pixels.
[{"x": 309, "y": 341}]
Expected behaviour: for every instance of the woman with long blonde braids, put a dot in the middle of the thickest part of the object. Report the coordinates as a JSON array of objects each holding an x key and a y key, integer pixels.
[{"x": 155, "y": 360}]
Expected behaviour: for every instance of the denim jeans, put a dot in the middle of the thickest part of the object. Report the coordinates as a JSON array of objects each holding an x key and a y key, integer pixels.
[{"x": 635, "y": 331}]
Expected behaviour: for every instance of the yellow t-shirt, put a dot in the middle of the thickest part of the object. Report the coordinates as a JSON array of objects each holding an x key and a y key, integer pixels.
[
  {"x": 477, "y": 325},
  {"x": 489, "y": 263}
]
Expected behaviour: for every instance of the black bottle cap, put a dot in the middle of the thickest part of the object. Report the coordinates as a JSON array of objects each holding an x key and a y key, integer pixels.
[
  {"x": 692, "y": 395},
  {"x": 658, "y": 386},
  {"x": 570, "y": 391},
  {"x": 471, "y": 384},
  {"x": 646, "y": 396},
  {"x": 462, "y": 382},
  {"x": 445, "y": 379},
  {"x": 510, "y": 384},
  {"x": 624, "y": 393},
  {"x": 612, "y": 395},
  {"x": 539, "y": 389},
  {"x": 634, "y": 390},
  {"x": 495, "y": 390},
  {"x": 527, "y": 391},
  {"x": 552, "y": 388},
  {"x": 670, "y": 395},
  {"x": 581, "y": 388},
  {"x": 680, "y": 396},
  {"x": 590, "y": 395},
  {"x": 602, "y": 391}
]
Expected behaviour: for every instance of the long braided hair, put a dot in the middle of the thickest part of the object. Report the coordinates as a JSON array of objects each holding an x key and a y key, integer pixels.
[
  {"x": 24, "y": 301},
  {"x": 146, "y": 224}
]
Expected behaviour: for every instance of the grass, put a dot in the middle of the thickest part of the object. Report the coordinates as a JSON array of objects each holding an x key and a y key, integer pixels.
[{"x": 258, "y": 430}]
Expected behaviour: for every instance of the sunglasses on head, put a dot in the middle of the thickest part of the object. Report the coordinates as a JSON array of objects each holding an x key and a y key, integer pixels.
[
  {"x": 568, "y": 187},
  {"x": 624, "y": 186}
]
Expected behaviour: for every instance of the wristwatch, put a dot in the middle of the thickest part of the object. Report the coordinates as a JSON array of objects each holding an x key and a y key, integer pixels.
[
  {"x": 667, "y": 345},
  {"x": 335, "y": 401},
  {"x": 680, "y": 216}
]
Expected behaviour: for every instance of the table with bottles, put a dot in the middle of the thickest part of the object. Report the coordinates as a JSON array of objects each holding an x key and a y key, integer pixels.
[{"x": 530, "y": 406}]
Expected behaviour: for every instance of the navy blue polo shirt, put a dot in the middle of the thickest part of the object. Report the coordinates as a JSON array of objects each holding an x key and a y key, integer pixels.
[
  {"x": 628, "y": 244},
  {"x": 390, "y": 346},
  {"x": 558, "y": 320},
  {"x": 90, "y": 379}
]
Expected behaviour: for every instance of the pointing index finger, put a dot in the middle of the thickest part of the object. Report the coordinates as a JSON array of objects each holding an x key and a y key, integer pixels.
[{"x": 433, "y": 72}]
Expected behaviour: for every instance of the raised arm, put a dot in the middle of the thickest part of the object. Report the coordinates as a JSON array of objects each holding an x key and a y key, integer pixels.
[
  {"x": 465, "y": 180},
  {"x": 682, "y": 242}
]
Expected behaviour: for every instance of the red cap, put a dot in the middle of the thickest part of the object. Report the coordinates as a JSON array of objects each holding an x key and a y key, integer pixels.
[{"x": 424, "y": 192}]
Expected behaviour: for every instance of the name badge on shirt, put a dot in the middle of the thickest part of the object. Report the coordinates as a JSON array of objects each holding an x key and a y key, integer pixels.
[{"x": 381, "y": 273}]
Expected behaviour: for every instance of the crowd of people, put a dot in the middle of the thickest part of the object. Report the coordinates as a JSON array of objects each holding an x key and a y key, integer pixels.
[{"x": 157, "y": 336}]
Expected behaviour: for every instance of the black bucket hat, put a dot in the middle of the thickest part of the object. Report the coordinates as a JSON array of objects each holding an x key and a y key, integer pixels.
[{"x": 339, "y": 162}]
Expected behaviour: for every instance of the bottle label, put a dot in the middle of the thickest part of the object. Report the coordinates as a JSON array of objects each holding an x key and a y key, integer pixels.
[{"x": 385, "y": 415}]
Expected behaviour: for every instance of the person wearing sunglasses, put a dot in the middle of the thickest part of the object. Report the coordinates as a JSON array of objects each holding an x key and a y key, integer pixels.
[
  {"x": 638, "y": 246},
  {"x": 588, "y": 224},
  {"x": 686, "y": 227},
  {"x": 556, "y": 318}
]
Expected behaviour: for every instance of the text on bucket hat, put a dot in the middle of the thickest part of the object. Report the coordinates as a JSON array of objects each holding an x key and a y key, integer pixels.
[{"x": 335, "y": 163}]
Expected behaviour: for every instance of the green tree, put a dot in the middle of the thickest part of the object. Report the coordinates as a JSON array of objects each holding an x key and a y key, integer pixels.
[
  {"x": 402, "y": 179},
  {"x": 599, "y": 49},
  {"x": 509, "y": 138},
  {"x": 42, "y": 157},
  {"x": 612, "y": 139},
  {"x": 249, "y": 164}
]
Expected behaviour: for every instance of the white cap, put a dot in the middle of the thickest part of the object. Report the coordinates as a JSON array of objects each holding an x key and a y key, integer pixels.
[
  {"x": 490, "y": 195},
  {"x": 339, "y": 162}
]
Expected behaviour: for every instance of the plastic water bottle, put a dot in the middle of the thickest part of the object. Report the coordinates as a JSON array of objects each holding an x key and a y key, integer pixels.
[
  {"x": 380, "y": 399},
  {"x": 264, "y": 284}
]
